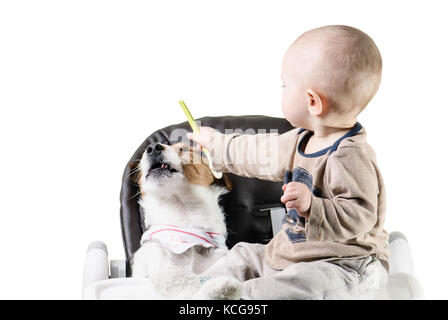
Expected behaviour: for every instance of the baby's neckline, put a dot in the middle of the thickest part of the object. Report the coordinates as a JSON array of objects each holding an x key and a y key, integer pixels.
[{"x": 302, "y": 143}]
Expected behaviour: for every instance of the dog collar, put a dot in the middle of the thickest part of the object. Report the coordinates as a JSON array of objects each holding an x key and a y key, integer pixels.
[{"x": 179, "y": 239}]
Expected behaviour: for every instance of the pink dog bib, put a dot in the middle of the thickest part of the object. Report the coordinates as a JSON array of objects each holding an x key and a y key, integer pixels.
[{"x": 179, "y": 239}]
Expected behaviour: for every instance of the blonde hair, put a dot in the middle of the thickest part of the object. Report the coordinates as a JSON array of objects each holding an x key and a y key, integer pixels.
[{"x": 350, "y": 74}]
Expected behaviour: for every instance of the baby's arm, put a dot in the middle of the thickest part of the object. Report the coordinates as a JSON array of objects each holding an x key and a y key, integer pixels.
[
  {"x": 263, "y": 156},
  {"x": 351, "y": 210}
]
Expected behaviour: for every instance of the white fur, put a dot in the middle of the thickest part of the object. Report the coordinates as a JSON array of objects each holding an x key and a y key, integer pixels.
[{"x": 173, "y": 200}]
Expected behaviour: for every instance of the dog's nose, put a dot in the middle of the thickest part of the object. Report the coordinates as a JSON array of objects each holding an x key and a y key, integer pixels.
[{"x": 154, "y": 149}]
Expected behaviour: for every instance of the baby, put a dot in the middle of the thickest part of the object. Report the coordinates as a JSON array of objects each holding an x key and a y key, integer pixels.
[{"x": 332, "y": 243}]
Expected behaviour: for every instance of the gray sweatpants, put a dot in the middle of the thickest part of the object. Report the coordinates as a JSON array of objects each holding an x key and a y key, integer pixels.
[{"x": 337, "y": 279}]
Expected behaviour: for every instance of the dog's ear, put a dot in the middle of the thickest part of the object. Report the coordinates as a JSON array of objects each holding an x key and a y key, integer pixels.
[
  {"x": 134, "y": 171},
  {"x": 198, "y": 173},
  {"x": 224, "y": 182}
]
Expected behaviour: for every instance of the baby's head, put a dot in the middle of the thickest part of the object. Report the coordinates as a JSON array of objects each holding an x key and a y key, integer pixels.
[{"x": 329, "y": 74}]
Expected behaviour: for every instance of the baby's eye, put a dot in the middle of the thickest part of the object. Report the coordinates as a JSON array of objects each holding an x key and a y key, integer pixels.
[{"x": 283, "y": 85}]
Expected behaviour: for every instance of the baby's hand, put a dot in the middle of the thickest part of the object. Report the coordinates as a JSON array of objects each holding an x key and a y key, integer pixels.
[
  {"x": 204, "y": 137},
  {"x": 297, "y": 196}
]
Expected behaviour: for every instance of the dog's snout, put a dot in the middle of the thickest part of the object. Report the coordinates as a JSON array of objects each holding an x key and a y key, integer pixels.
[{"x": 154, "y": 149}]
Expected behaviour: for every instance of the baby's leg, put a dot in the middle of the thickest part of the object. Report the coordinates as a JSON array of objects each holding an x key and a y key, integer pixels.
[
  {"x": 341, "y": 279},
  {"x": 244, "y": 261}
]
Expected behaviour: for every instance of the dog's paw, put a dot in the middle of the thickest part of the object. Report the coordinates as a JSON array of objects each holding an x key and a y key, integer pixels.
[{"x": 220, "y": 288}]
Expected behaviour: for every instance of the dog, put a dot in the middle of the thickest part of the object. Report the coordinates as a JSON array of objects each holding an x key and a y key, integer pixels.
[{"x": 185, "y": 224}]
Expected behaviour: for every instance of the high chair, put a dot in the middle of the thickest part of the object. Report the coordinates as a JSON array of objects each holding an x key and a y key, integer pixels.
[{"x": 253, "y": 214}]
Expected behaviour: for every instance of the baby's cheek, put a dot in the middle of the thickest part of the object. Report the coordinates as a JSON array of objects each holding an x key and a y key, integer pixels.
[{"x": 292, "y": 112}]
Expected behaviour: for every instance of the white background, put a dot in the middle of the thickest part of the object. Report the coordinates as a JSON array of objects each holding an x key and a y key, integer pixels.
[{"x": 83, "y": 83}]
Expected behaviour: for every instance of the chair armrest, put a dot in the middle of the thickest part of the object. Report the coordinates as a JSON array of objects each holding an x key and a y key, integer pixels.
[
  {"x": 96, "y": 264},
  {"x": 401, "y": 257},
  {"x": 117, "y": 269},
  {"x": 402, "y": 283}
]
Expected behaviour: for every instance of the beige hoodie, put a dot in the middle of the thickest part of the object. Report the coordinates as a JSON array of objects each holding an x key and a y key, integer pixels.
[{"x": 348, "y": 203}]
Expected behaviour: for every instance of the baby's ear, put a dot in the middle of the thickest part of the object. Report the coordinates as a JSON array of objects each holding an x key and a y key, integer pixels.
[{"x": 315, "y": 105}]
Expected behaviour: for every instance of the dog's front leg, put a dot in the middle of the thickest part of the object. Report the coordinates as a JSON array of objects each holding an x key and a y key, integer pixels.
[
  {"x": 149, "y": 261},
  {"x": 154, "y": 262}
]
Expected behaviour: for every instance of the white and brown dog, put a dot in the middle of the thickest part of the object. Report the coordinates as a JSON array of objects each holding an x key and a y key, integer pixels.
[{"x": 185, "y": 225}]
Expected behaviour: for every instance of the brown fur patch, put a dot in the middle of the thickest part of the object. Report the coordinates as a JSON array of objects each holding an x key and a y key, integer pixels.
[
  {"x": 196, "y": 169},
  {"x": 225, "y": 182},
  {"x": 198, "y": 173},
  {"x": 134, "y": 172},
  {"x": 136, "y": 175}
]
